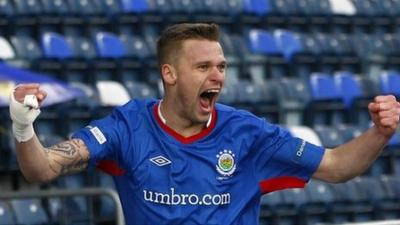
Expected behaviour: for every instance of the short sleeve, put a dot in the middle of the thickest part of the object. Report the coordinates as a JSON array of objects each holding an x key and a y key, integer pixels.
[
  {"x": 103, "y": 138},
  {"x": 284, "y": 158}
]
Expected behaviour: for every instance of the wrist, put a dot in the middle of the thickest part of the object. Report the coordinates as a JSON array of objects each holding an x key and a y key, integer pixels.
[{"x": 22, "y": 132}]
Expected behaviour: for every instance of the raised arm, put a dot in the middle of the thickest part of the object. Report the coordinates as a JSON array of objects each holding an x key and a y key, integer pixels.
[
  {"x": 353, "y": 158},
  {"x": 37, "y": 163}
]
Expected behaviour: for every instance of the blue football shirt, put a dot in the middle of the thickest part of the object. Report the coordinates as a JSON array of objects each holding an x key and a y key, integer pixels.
[{"x": 214, "y": 177}]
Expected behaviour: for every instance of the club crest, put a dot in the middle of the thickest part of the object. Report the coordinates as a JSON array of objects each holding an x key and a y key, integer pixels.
[{"x": 226, "y": 165}]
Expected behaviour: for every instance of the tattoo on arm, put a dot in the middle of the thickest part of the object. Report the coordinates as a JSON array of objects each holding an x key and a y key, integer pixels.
[{"x": 68, "y": 157}]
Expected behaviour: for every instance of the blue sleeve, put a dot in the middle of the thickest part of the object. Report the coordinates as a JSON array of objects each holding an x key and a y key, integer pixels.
[
  {"x": 278, "y": 154},
  {"x": 104, "y": 137}
]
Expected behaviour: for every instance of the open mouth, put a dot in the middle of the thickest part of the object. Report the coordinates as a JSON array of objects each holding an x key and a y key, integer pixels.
[{"x": 207, "y": 98}]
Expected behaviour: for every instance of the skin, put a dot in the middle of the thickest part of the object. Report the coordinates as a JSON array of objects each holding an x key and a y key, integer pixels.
[{"x": 201, "y": 66}]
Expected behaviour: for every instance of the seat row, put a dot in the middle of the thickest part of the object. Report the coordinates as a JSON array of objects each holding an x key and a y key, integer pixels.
[
  {"x": 277, "y": 52},
  {"x": 261, "y": 7},
  {"x": 360, "y": 200}
]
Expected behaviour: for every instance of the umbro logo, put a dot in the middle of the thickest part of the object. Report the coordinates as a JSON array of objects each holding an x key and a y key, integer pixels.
[{"x": 160, "y": 160}]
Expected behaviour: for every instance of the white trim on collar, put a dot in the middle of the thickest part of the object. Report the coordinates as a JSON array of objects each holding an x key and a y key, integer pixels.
[{"x": 165, "y": 121}]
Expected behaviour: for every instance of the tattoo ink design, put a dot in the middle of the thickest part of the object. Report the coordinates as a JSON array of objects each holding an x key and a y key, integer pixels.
[{"x": 68, "y": 157}]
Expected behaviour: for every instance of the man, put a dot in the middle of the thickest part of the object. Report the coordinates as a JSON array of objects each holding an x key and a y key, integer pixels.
[{"x": 185, "y": 159}]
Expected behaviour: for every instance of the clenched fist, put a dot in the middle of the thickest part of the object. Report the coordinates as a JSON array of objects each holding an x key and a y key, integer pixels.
[{"x": 385, "y": 113}]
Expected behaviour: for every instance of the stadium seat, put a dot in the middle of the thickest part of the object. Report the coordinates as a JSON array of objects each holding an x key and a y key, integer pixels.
[
  {"x": 119, "y": 97},
  {"x": 258, "y": 7},
  {"x": 70, "y": 210},
  {"x": 350, "y": 204},
  {"x": 7, "y": 51},
  {"x": 7, "y": 8},
  {"x": 55, "y": 46},
  {"x": 136, "y": 47},
  {"x": 352, "y": 92},
  {"x": 134, "y": 6},
  {"x": 288, "y": 43},
  {"x": 7, "y": 216},
  {"x": 26, "y": 7},
  {"x": 108, "y": 45},
  {"x": 56, "y": 7},
  {"x": 326, "y": 105},
  {"x": 293, "y": 96},
  {"x": 83, "y": 7},
  {"x": 317, "y": 208},
  {"x": 29, "y": 211},
  {"x": 107, "y": 206},
  {"x": 305, "y": 133},
  {"x": 140, "y": 90},
  {"x": 390, "y": 83},
  {"x": 343, "y": 7},
  {"x": 385, "y": 207},
  {"x": 111, "y": 7},
  {"x": 269, "y": 204},
  {"x": 26, "y": 48},
  {"x": 329, "y": 136},
  {"x": 262, "y": 42},
  {"x": 82, "y": 47}
]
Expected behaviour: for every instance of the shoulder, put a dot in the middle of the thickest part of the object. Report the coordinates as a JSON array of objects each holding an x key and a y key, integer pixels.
[
  {"x": 228, "y": 113},
  {"x": 246, "y": 122}
]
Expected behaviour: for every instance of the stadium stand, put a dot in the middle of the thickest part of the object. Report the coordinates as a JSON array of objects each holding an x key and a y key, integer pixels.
[{"x": 310, "y": 65}]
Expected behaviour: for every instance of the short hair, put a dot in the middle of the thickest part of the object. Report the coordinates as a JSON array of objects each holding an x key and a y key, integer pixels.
[{"x": 171, "y": 39}]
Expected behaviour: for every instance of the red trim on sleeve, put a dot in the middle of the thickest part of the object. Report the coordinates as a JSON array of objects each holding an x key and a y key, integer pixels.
[
  {"x": 110, "y": 167},
  {"x": 280, "y": 183},
  {"x": 183, "y": 139}
]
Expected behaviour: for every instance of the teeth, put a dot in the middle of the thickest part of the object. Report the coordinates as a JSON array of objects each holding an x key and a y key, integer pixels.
[{"x": 213, "y": 91}]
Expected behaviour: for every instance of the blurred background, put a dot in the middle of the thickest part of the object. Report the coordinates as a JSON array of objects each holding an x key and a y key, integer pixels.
[{"x": 311, "y": 66}]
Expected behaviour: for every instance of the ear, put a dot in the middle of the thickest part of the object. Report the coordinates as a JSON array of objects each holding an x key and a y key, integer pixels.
[{"x": 168, "y": 73}]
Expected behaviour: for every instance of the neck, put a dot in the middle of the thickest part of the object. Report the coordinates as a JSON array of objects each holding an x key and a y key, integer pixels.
[{"x": 178, "y": 122}]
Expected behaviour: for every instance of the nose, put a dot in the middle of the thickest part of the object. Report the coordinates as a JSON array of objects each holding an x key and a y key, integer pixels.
[{"x": 217, "y": 75}]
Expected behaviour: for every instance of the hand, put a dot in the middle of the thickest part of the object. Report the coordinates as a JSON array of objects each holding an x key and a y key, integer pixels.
[
  {"x": 24, "y": 111},
  {"x": 29, "y": 89},
  {"x": 385, "y": 113}
]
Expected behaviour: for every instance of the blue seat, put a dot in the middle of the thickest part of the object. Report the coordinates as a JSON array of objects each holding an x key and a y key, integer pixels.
[
  {"x": 135, "y": 6},
  {"x": 262, "y": 42},
  {"x": 29, "y": 211},
  {"x": 326, "y": 105},
  {"x": 26, "y": 47},
  {"x": 353, "y": 95},
  {"x": 390, "y": 83},
  {"x": 348, "y": 87},
  {"x": 55, "y": 46},
  {"x": 7, "y": 216},
  {"x": 258, "y": 7},
  {"x": 269, "y": 206},
  {"x": 289, "y": 43},
  {"x": 108, "y": 45}
]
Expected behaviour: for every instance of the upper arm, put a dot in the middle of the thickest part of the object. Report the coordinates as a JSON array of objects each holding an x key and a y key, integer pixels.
[
  {"x": 327, "y": 171},
  {"x": 68, "y": 157}
]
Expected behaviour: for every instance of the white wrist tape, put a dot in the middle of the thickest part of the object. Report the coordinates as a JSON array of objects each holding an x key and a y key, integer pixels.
[{"x": 23, "y": 116}]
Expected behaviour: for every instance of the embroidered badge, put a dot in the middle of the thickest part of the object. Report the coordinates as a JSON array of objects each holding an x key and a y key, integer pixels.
[{"x": 226, "y": 165}]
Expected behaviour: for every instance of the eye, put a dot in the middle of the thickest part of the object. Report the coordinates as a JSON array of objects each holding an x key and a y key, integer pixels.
[
  {"x": 203, "y": 67},
  {"x": 221, "y": 68}
]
